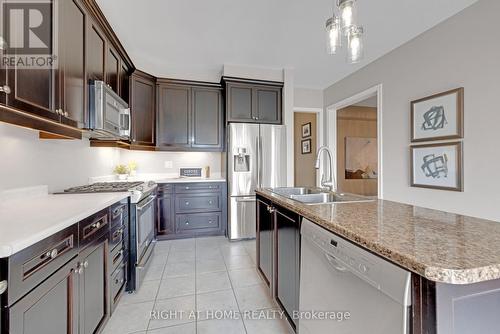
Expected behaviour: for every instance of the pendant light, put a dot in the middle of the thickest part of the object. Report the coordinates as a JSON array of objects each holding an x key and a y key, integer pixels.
[
  {"x": 345, "y": 24},
  {"x": 333, "y": 35},
  {"x": 355, "y": 50},
  {"x": 348, "y": 13}
]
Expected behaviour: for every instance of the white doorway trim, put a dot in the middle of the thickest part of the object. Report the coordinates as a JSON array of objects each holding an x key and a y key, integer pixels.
[
  {"x": 320, "y": 128},
  {"x": 331, "y": 116}
]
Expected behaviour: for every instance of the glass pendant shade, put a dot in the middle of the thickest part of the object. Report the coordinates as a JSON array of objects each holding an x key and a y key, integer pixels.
[
  {"x": 348, "y": 13},
  {"x": 355, "y": 50},
  {"x": 333, "y": 35}
]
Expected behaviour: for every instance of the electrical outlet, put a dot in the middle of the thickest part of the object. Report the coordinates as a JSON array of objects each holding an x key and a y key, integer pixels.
[{"x": 169, "y": 164}]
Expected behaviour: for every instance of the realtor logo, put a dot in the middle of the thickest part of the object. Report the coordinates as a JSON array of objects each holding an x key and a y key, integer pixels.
[{"x": 28, "y": 39}]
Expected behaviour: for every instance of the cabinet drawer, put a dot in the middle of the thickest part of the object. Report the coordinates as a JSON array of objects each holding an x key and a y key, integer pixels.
[
  {"x": 198, "y": 221},
  {"x": 165, "y": 188},
  {"x": 197, "y": 203},
  {"x": 118, "y": 280},
  {"x": 116, "y": 236},
  {"x": 93, "y": 227},
  {"x": 33, "y": 265},
  {"x": 198, "y": 187},
  {"x": 116, "y": 257},
  {"x": 118, "y": 213}
]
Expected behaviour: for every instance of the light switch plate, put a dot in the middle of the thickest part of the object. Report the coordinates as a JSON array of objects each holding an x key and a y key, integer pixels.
[{"x": 168, "y": 164}]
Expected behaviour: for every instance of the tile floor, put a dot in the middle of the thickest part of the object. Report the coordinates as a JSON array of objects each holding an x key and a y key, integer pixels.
[{"x": 203, "y": 276}]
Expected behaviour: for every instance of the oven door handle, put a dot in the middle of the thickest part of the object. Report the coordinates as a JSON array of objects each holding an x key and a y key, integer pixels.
[
  {"x": 151, "y": 199},
  {"x": 3, "y": 287}
]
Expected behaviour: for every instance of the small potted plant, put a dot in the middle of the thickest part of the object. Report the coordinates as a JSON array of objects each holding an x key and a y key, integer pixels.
[
  {"x": 122, "y": 172},
  {"x": 132, "y": 167}
]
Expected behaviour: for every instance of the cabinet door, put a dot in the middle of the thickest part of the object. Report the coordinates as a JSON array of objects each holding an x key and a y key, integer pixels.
[
  {"x": 73, "y": 86},
  {"x": 239, "y": 103},
  {"x": 265, "y": 240},
  {"x": 288, "y": 260},
  {"x": 96, "y": 47},
  {"x": 174, "y": 106},
  {"x": 166, "y": 217},
  {"x": 52, "y": 307},
  {"x": 267, "y": 104},
  {"x": 94, "y": 305},
  {"x": 31, "y": 90},
  {"x": 124, "y": 82},
  {"x": 112, "y": 68},
  {"x": 207, "y": 119},
  {"x": 142, "y": 107}
]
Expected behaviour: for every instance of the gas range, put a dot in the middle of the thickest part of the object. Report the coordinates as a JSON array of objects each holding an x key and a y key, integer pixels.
[{"x": 138, "y": 189}]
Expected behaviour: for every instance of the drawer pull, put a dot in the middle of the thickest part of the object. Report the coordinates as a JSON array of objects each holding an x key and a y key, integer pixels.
[
  {"x": 52, "y": 254},
  {"x": 210, "y": 222},
  {"x": 117, "y": 212},
  {"x": 187, "y": 223},
  {"x": 210, "y": 202},
  {"x": 86, "y": 264},
  {"x": 119, "y": 281},
  {"x": 95, "y": 226},
  {"x": 187, "y": 203},
  {"x": 187, "y": 188}
]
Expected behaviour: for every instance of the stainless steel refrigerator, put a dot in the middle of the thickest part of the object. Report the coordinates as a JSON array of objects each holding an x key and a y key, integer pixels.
[{"x": 256, "y": 158}]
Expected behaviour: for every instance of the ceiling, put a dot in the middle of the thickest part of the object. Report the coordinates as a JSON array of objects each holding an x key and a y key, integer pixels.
[{"x": 192, "y": 39}]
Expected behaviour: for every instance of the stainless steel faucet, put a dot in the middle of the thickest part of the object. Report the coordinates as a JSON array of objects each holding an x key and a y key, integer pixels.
[{"x": 330, "y": 182}]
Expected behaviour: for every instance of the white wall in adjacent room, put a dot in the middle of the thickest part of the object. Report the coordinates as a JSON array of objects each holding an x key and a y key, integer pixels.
[
  {"x": 27, "y": 160},
  {"x": 460, "y": 52}
]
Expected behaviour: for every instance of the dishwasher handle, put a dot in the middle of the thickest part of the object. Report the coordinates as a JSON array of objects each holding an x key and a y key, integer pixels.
[{"x": 335, "y": 263}]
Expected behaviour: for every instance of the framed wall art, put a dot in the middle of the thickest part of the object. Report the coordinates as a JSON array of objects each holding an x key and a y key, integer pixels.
[
  {"x": 438, "y": 117},
  {"x": 437, "y": 166},
  {"x": 306, "y": 146},
  {"x": 306, "y": 130}
]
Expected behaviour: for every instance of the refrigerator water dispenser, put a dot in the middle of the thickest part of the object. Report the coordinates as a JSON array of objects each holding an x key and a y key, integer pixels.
[{"x": 241, "y": 160}]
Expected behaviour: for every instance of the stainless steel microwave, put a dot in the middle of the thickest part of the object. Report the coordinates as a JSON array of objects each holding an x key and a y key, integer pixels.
[{"x": 109, "y": 115}]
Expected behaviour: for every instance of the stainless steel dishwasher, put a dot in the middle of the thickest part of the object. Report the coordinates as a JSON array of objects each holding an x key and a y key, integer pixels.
[{"x": 344, "y": 289}]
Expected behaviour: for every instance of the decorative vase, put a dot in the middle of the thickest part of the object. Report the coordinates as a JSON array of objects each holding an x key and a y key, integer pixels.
[{"x": 122, "y": 177}]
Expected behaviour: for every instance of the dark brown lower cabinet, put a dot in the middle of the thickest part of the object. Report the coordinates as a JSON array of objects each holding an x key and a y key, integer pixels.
[
  {"x": 50, "y": 308},
  {"x": 287, "y": 262},
  {"x": 265, "y": 239},
  {"x": 94, "y": 305},
  {"x": 166, "y": 217}
]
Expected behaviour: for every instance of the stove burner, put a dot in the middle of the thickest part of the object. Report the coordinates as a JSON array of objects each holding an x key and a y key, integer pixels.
[{"x": 104, "y": 187}]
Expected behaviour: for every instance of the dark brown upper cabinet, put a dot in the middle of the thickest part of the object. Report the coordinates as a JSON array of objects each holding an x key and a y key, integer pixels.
[
  {"x": 96, "y": 52},
  {"x": 72, "y": 83},
  {"x": 54, "y": 99},
  {"x": 253, "y": 101},
  {"x": 124, "y": 82},
  {"x": 142, "y": 108},
  {"x": 31, "y": 90},
  {"x": 190, "y": 117},
  {"x": 112, "y": 68}
]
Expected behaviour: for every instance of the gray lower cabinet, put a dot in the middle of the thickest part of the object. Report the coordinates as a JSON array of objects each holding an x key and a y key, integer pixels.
[
  {"x": 253, "y": 102},
  {"x": 190, "y": 117},
  {"x": 191, "y": 209}
]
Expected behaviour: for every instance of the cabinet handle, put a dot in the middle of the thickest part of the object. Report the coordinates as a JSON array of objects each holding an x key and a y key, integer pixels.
[
  {"x": 187, "y": 188},
  {"x": 210, "y": 222},
  {"x": 187, "y": 203},
  {"x": 187, "y": 223},
  {"x": 210, "y": 202},
  {"x": 119, "y": 281},
  {"x": 52, "y": 254},
  {"x": 85, "y": 264},
  {"x": 79, "y": 269},
  {"x": 5, "y": 89}
]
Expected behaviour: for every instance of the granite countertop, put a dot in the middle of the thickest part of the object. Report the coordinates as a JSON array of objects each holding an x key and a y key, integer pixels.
[
  {"x": 30, "y": 215},
  {"x": 440, "y": 246}
]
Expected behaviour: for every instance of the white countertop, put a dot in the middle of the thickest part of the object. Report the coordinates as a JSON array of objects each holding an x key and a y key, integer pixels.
[
  {"x": 190, "y": 180},
  {"x": 29, "y": 215}
]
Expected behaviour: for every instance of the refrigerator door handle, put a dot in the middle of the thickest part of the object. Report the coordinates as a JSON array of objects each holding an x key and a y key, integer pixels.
[{"x": 260, "y": 161}]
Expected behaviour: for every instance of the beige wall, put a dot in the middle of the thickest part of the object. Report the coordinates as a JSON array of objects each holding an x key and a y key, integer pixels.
[
  {"x": 460, "y": 52},
  {"x": 305, "y": 173},
  {"x": 355, "y": 122}
]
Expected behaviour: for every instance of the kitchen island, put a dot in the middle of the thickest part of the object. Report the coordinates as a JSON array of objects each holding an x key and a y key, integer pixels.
[{"x": 454, "y": 259}]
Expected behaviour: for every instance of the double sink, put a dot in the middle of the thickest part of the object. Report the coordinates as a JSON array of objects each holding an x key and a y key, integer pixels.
[{"x": 312, "y": 196}]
